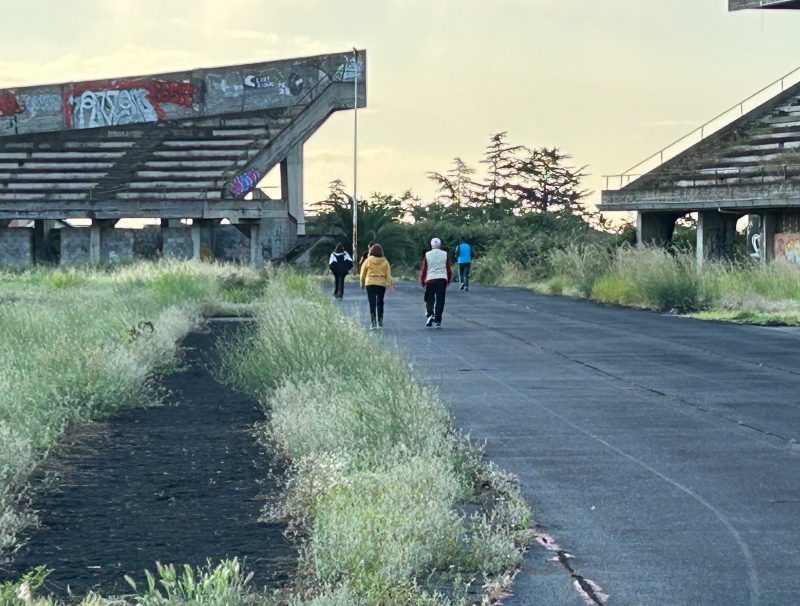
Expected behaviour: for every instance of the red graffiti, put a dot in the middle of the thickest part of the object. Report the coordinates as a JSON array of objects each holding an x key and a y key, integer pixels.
[
  {"x": 9, "y": 105},
  {"x": 159, "y": 91}
]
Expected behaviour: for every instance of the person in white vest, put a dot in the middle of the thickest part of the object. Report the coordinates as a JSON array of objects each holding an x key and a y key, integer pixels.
[{"x": 435, "y": 277}]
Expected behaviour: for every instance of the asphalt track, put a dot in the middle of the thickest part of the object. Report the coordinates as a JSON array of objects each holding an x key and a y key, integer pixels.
[{"x": 660, "y": 454}]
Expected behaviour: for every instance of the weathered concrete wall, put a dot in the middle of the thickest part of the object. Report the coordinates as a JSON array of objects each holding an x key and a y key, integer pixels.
[
  {"x": 147, "y": 242},
  {"x": 177, "y": 242},
  {"x": 197, "y": 93},
  {"x": 16, "y": 247},
  {"x": 231, "y": 245},
  {"x": 75, "y": 245},
  {"x": 277, "y": 237},
  {"x": 116, "y": 245}
]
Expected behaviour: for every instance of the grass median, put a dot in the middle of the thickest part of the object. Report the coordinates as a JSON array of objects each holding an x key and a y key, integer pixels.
[
  {"x": 76, "y": 345},
  {"x": 391, "y": 504}
]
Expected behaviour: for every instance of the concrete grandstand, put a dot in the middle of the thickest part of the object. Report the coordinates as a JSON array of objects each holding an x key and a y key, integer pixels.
[{"x": 188, "y": 148}]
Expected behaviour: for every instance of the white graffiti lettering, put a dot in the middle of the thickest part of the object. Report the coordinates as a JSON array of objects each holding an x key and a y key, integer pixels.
[
  {"x": 265, "y": 82},
  {"x": 755, "y": 242},
  {"x": 112, "y": 107},
  {"x": 351, "y": 69}
]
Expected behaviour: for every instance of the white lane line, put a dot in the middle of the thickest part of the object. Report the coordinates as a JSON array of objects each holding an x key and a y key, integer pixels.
[{"x": 754, "y": 586}]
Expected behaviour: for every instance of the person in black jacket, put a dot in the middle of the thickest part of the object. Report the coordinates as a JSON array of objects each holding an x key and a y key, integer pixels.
[{"x": 340, "y": 264}]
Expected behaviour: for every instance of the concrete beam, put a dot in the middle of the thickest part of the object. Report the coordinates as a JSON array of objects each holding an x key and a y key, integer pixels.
[{"x": 786, "y": 193}]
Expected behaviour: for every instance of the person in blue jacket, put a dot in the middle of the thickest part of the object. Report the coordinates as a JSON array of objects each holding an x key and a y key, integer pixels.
[
  {"x": 464, "y": 260},
  {"x": 340, "y": 264}
]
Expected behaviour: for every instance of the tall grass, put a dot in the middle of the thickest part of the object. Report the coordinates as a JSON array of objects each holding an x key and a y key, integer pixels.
[
  {"x": 651, "y": 277},
  {"x": 222, "y": 585},
  {"x": 377, "y": 472},
  {"x": 664, "y": 280},
  {"x": 78, "y": 344}
]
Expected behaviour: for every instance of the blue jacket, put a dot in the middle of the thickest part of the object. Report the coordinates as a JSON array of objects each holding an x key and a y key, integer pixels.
[{"x": 463, "y": 253}]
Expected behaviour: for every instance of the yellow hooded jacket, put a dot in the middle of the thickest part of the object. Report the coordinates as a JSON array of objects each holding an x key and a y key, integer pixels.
[{"x": 376, "y": 271}]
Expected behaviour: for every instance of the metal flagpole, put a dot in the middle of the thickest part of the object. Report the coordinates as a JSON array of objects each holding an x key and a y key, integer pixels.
[{"x": 355, "y": 156}]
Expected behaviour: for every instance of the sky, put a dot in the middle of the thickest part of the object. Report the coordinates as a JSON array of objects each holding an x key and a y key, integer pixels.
[{"x": 607, "y": 81}]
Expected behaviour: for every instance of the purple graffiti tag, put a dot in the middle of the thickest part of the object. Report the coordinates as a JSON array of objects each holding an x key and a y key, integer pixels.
[{"x": 244, "y": 182}]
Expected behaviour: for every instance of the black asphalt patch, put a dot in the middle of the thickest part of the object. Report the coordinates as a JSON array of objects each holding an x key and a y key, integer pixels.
[{"x": 182, "y": 483}]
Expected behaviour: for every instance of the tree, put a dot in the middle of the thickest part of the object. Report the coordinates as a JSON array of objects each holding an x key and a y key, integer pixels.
[
  {"x": 502, "y": 164},
  {"x": 378, "y": 219},
  {"x": 456, "y": 187},
  {"x": 544, "y": 183}
]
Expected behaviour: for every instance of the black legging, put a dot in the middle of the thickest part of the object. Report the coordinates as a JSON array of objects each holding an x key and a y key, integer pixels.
[
  {"x": 338, "y": 285},
  {"x": 375, "y": 296}
]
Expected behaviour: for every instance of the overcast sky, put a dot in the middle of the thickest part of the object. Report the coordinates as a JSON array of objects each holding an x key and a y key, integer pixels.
[{"x": 608, "y": 81}]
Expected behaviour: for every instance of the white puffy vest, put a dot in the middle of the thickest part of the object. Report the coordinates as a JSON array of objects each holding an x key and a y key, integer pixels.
[{"x": 437, "y": 264}]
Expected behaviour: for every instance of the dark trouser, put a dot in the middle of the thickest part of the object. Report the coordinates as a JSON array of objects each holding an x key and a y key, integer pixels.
[
  {"x": 375, "y": 297},
  {"x": 463, "y": 273},
  {"x": 435, "y": 291},
  {"x": 338, "y": 285}
]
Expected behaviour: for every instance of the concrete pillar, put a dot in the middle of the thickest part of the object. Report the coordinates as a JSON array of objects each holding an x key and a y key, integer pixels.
[
  {"x": 256, "y": 254},
  {"x": 769, "y": 222},
  {"x": 196, "y": 243},
  {"x": 655, "y": 228},
  {"x": 292, "y": 185},
  {"x": 96, "y": 238},
  {"x": 716, "y": 234},
  {"x": 94, "y": 243}
]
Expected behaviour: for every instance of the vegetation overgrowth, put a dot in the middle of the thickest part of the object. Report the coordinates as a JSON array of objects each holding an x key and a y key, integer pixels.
[
  {"x": 528, "y": 222},
  {"x": 378, "y": 478},
  {"x": 78, "y": 344}
]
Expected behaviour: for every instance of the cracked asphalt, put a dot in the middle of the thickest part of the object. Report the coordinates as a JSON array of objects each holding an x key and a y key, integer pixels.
[{"x": 661, "y": 454}]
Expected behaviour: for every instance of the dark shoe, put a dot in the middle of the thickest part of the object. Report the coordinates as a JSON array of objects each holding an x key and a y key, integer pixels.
[
  {"x": 380, "y": 323},
  {"x": 463, "y": 286},
  {"x": 437, "y": 325},
  {"x": 429, "y": 321}
]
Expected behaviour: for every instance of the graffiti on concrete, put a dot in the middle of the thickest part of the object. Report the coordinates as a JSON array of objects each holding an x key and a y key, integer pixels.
[
  {"x": 351, "y": 69},
  {"x": 124, "y": 102},
  {"x": 253, "y": 81},
  {"x": 787, "y": 246},
  {"x": 10, "y": 105},
  {"x": 276, "y": 82},
  {"x": 41, "y": 103},
  {"x": 173, "y": 96},
  {"x": 244, "y": 182},
  {"x": 755, "y": 243},
  {"x": 112, "y": 107}
]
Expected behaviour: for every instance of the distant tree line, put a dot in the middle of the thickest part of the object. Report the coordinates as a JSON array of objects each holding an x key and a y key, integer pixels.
[{"x": 527, "y": 201}]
